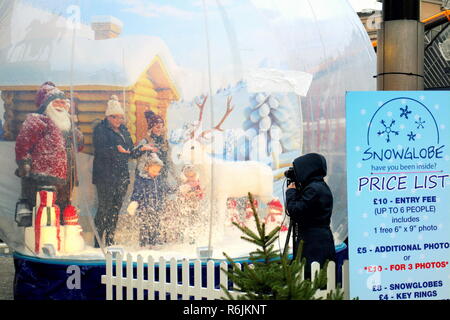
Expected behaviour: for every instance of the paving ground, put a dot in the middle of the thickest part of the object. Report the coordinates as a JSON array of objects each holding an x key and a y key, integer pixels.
[{"x": 6, "y": 277}]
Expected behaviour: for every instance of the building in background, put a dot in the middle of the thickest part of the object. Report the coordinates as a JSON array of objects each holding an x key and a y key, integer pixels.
[
  {"x": 372, "y": 18},
  {"x": 437, "y": 40}
]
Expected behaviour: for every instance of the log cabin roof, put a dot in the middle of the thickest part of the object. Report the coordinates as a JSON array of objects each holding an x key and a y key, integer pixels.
[
  {"x": 117, "y": 62},
  {"x": 36, "y": 46}
]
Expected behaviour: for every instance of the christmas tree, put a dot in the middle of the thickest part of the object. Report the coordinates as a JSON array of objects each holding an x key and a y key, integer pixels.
[{"x": 272, "y": 275}]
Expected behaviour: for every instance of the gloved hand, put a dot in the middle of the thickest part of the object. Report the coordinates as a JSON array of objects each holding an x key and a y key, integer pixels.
[
  {"x": 132, "y": 208},
  {"x": 23, "y": 170}
]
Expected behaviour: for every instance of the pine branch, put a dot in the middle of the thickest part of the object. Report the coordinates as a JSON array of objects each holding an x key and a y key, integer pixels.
[
  {"x": 271, "y": 274},
  {"x": 246, "y": 230}
]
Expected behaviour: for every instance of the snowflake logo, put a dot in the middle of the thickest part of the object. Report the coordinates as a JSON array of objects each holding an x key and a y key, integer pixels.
[
  {"x": 388, "y": 130},
  {"x": 405, "y": 112},
  {"x": 420, "y": 123},
  {"x": 412, "y": 136}
]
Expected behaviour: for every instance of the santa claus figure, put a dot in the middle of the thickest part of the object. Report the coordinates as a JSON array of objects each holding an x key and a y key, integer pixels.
[{"x": 45, "y": 147}]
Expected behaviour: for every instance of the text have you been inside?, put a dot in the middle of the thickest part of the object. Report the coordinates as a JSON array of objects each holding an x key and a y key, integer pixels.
[
  {"x": 398, "y": 170},
  {"x": 391, "y": 181}
]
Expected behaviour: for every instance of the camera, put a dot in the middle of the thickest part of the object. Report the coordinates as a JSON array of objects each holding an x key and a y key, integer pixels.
[{"x": 290, "y": 175}]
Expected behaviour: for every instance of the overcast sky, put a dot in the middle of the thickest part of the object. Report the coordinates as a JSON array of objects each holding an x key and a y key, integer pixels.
[{"x": 365, "y": 4}]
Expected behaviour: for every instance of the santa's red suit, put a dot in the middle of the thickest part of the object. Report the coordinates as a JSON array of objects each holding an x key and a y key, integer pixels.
[
  {"x": 45, "y": 155},
  {"x": 41, "y": 144}
]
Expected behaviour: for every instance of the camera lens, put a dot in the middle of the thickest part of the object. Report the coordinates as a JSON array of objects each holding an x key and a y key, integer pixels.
[{"x": 290, "y": 173}]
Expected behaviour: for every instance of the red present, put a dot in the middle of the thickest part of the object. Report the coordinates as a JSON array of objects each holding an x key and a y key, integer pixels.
[{"x": 47, "y": 213}]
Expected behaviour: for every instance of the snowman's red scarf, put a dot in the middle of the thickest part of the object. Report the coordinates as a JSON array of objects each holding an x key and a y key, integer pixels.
[{"x": 47, "y": 201}]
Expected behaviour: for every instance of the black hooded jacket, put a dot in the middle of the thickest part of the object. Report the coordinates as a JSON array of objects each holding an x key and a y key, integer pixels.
[
  {"x": 310, "y": 206},
  {"x": 110, "y": 166}
]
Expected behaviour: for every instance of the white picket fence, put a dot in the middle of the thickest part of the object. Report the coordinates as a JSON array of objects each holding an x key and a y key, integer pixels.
[{"x": 115, "y": 279}]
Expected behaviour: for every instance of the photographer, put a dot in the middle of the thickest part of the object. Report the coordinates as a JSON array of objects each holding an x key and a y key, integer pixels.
[{"x": 309, "y": 203}]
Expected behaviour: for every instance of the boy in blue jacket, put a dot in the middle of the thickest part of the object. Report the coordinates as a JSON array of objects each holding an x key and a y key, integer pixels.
[{"x": 148, "y": 199}]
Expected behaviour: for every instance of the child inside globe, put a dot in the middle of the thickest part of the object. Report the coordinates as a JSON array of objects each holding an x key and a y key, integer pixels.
[
  {"x": 190, "y": 198},
  {"x": 191, "y": 190},
  {"x": 148, "y": 199},
  {"x": 184, "y": 222}
]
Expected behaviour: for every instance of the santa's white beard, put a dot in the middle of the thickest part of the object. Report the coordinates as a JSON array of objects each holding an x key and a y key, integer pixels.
[{"x": 60, "y": 118}]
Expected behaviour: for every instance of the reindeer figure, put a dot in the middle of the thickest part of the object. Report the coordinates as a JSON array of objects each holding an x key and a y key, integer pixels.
[{"x": 225, "y": 179}]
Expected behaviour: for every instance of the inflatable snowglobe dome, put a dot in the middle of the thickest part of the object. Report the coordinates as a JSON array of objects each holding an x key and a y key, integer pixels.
[{"x": 142, "y": 126}]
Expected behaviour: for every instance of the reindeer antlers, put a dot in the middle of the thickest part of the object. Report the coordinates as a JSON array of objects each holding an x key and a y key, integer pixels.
[
  {"x": 230, "y": 108},
  {"x": 201, "y": 106}
]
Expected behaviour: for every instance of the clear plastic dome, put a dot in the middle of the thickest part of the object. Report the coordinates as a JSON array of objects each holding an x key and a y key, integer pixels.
[{"x": 238, "y": 90}]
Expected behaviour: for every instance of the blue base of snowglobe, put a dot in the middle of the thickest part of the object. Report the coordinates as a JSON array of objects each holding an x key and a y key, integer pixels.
[
  {"x": 52, "y": 279},
  {"x": 49, "y": 279}
]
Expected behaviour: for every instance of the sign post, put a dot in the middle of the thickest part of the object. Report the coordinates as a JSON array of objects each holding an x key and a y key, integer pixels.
[{"x": 398, "y": 185}]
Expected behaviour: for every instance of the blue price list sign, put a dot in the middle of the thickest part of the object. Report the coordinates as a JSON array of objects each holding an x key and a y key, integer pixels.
[{"x": 398, "y": 185}]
